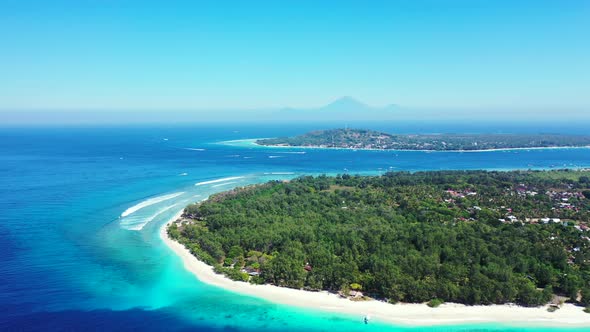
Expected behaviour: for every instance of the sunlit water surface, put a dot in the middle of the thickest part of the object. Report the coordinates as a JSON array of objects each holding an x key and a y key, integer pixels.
[{"x": 81, "y": 210}]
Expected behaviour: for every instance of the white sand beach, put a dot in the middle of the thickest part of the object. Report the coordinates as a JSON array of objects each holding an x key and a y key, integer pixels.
[{"x": 399, "y": 314}]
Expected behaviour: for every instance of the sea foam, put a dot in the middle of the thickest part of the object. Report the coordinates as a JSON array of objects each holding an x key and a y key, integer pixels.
[
  {"x": 219, "y": 180},
  {"x": 137, "y": 224},
  {"x": 149, "y": 202}
]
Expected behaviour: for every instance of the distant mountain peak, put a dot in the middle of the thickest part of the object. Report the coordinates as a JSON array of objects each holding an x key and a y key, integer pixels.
[
  {"x": 350, "y": 104},
  {"x": 345, "y": 108},
  {"x": 347, "y": 101}
]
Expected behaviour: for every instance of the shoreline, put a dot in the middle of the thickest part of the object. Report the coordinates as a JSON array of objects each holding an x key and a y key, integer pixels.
[
  {"x": 253, "y": 142},
  {"x": 407, "y": 314}
]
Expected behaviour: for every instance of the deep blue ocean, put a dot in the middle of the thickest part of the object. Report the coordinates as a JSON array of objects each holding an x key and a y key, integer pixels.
[{"x": 80, "y": 210}]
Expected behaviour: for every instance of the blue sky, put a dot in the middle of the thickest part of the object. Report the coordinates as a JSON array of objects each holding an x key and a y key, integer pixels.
[{"x": 531, "y": 56}]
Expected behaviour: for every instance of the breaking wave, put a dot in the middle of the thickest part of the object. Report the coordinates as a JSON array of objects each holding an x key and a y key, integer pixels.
[
  {"x": 149, "y": 202},
  {"x": 219, "y": 180}
]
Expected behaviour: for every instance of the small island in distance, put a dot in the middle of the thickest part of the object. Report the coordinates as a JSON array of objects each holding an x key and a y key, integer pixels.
[{"x": 375, "y": 140}]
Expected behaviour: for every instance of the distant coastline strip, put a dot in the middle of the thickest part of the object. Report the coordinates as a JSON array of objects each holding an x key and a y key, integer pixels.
[
  {"x": 253, "y": 142},
  {"x": 364, "y": 139}
]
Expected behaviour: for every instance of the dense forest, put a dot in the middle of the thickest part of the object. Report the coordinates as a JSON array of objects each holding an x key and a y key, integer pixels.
[
  {"x": 369, "y": 139},
  {"x": 472, "y": 237}
]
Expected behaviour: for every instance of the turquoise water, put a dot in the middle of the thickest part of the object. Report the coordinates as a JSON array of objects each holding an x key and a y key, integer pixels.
[{"x": 82, "y": 207}]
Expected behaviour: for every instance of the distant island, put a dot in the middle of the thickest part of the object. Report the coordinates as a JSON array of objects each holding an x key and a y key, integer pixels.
[
  {"x": 471, "y": 237},
  {"x": 375, "y": 140}
]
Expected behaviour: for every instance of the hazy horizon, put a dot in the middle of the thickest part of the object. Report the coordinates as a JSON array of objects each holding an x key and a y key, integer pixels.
[{"x": 342, "y": 110}]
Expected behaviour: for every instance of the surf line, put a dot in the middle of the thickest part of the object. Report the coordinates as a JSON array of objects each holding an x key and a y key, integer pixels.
[
  {"x": 219, "y": 180},
  {"x": 149, "y": 202}
]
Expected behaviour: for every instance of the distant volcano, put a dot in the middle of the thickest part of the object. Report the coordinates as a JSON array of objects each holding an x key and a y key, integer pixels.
[{"x": 342, "y": 109}]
